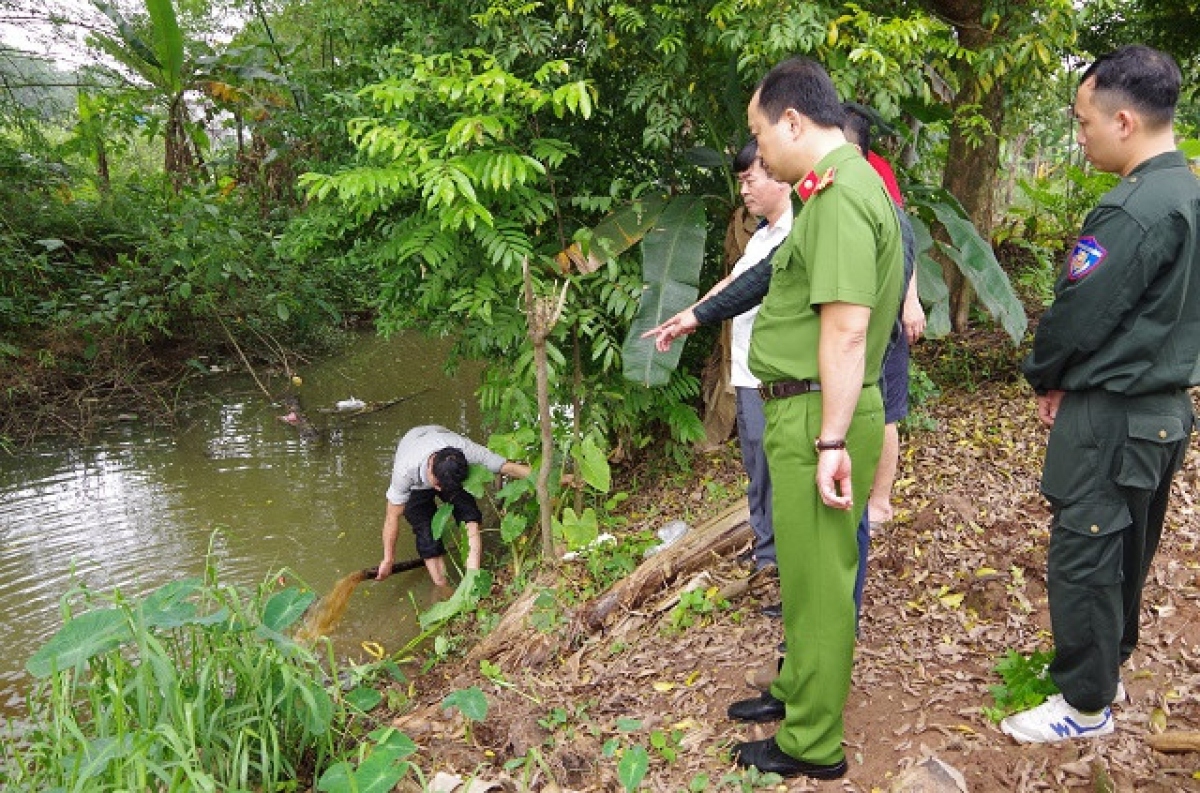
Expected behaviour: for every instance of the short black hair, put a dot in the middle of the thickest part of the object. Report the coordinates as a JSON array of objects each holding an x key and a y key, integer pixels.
[
  {"x": 450, "y": 467},
  {"x": 746, "y": 158},
  {"x": 802, "y": 84},
  {"x": 1141, "y": 77},
  {"x": 857, "y": 126}
]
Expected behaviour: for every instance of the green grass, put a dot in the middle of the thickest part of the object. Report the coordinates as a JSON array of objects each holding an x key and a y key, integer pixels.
[{"x": 194, "y": 687}]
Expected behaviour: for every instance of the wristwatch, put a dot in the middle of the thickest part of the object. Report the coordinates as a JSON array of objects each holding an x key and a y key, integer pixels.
[{"x": 825, "y": 446}]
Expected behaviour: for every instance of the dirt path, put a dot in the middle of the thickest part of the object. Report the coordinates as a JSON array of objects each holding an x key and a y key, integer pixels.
[{"x": 955, "y": 581}]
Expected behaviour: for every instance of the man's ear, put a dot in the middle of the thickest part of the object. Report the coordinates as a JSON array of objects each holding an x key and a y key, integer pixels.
[
  {"x": 795, "y": 121},
  {"x": 1128, "y": 122}
]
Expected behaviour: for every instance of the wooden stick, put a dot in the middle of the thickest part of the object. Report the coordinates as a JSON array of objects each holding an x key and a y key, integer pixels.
[
  {"x": 398, "y": 567},
  {"x": 1175, "y": 742}
]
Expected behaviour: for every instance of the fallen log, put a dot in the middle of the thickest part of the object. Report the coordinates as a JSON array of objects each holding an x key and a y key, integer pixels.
[
  {"x": 362, "y": 408},
  {"x": 523, "y": 645},
  {"x": 696, "y": 550},
  {"x": 1175, "y": 742}
]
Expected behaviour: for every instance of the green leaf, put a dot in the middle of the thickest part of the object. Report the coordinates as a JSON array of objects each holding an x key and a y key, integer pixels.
[
  {"x": 470, "y": 702},
  {"x": 364, "y": 698},
  {"x": 314, "y": 705},
  {"x": 624, "y": 228},
  {"x": 168, "y": 606},
  {"x": 168, "y": 42},
  {"x": 514, "y": 489},
  {"x": 285, "y": 607},
  {"x": 1190, "y": 148},
  {"x": 672, "y": 255},
  {"x": 512, "y": 526},
  {"x": 478, "y": 477},
  {"x": 128, "y": 34},
  {"x": 442, "y": 520},
  {"x": 593, "y": 465},
  {"x": 378, "y": 772},
  {"x": 633, "y": 766},
  {"x": 475, "y": 584},
  {"x": 579, "y": 531},
  {"x": 931, "y": 286},
  {"x": 88, "y": 635},
  {"x": 978, "y": 264}
]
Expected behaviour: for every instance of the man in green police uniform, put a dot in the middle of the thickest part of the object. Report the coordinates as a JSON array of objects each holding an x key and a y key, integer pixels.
[
  {"x": 817, "y": 346},
  {"x": 1111, "y": 363}
]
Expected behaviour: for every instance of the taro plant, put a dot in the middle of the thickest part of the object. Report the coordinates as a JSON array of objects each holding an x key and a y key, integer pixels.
[{"x": 196, "y": 686}]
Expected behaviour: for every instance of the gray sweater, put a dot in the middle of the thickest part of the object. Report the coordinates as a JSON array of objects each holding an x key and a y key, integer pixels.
[{"x": 409, "y": 471}]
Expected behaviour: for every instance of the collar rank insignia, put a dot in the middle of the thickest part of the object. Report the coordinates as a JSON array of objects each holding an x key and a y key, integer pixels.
[
  {"x": 811, "y": 184},
  {"x": 1085, "y": 257}
]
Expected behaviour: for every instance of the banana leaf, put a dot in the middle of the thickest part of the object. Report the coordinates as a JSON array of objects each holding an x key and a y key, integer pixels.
[
  {"x": 930, "y": 284},
  {"x": 672, "y": 254},
  {"x": 978, "y": 264},
  {"x": 616, "y": 233},
  {"x": 168, "y": 41}
]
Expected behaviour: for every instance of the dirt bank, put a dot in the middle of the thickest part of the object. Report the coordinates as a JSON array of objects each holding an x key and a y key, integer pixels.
[{"x": 956, "y": 580}]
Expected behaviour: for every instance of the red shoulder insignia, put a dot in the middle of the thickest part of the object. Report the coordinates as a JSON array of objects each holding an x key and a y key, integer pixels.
[{"x": 811, "y": 184}]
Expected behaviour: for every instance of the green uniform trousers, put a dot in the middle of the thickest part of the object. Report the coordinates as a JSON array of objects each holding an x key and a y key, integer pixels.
[
  {"x": 1108, "y": 471},
  {"x": 817, "y": 553}
]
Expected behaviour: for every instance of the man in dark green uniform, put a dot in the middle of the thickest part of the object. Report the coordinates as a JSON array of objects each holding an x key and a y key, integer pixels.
[
  {"x": 817, "y": 345},
  {"x": 1111, "y": 363}
]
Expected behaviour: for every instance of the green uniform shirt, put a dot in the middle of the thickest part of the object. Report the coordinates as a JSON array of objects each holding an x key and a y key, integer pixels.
[
  {"x": 844, "y": 247},
  {"x": 1126, "y": 312}
]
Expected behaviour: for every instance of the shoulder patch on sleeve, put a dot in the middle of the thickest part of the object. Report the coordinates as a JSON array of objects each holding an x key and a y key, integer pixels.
[
  {"x": 1085, "y": 257},
  {"x": 812, "y": 184}
]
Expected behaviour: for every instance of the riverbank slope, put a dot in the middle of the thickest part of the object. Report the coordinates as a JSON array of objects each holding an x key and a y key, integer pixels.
[{"x": 954, "y": 582}]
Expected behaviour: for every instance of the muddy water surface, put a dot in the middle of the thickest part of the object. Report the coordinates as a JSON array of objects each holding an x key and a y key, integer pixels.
[{"x": 141, "y": 506}]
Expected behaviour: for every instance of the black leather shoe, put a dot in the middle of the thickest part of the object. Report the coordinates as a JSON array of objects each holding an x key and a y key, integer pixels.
[
  {"x": 762, "y": 708},
  {"x": 772, "y": 610},
  {"x": 766, "y": 756}
]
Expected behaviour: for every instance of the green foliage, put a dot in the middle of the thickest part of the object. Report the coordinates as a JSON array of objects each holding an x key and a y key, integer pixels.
[
  {"x": 1025, "y": 683},
  {"x": 578, "y": 530},
  {"x": 1047, "y": 220},
  {"x": 380, "y": 765},
  {"x": 593, "y": 465},
  {"x": 750, "y": 779},
  {"x": 631, "y": 769},
  {"x": 196, "y": 685},
  {"x": 921, "y": 391},
  {"x": 546, "y": 616},
  {"x": 971, "y": 254},
  {"x": 695, "y": 606},
  {"x": 470, "y": 702},
  {"x": 473, "y": 586},
  {"x": 672, "y": 254}
]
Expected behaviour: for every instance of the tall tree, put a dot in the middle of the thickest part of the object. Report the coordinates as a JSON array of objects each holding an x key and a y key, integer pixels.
[{"x": 1007, "y": 43}]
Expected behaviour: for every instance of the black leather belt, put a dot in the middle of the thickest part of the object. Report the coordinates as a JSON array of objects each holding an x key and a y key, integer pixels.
[{"x": 787, "y": 388}]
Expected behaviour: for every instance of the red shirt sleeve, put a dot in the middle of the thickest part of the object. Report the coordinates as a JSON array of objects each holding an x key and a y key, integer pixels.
[{"x": 885, "y": 172}]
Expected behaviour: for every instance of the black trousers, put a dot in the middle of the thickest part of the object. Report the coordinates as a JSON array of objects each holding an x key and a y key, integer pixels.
[
  {"x": 422, "y": 506},
  {"x": 1108, "y": 472}
]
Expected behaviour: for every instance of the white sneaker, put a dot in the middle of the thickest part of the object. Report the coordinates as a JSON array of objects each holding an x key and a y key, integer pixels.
[
  {"x": 1119, "y": 697},
  {"x": 1056, "y": 720}
]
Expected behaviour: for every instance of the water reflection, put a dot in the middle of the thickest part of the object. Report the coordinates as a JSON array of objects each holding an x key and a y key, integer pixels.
[{"x": 142, "y": 506}]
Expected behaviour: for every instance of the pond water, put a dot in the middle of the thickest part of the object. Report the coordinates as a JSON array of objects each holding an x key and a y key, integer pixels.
[{"x": 142, "y": 506}]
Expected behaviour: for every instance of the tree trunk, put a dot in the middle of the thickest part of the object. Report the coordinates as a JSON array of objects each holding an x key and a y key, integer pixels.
[
  {"x": 541, "y": 315},
  {"x": 972, "y": 164}
]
